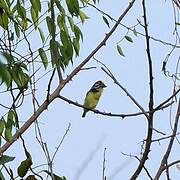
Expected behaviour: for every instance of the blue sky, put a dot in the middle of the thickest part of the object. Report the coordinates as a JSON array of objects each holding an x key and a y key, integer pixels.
[{"x": 87, "y": 138}]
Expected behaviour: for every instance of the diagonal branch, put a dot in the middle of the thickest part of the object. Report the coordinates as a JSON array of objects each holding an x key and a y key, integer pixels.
[
  {"x": 128, "y": 94},
  {"x": 167, "y": 153},
  {"x": 101, "y": 44},
  {"x": 167, "y": 100}
]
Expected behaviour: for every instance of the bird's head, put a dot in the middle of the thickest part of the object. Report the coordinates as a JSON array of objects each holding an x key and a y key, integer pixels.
[
  {"x": 98, "y": 85},
  {"x": 101, "y": 84}
]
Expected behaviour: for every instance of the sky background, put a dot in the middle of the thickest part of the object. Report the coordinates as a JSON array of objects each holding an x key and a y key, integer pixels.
[{"x": 81, "y": 155}]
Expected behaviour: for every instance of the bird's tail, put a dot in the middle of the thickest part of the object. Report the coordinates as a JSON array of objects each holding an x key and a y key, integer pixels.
[{"x": 84, "y": 113}]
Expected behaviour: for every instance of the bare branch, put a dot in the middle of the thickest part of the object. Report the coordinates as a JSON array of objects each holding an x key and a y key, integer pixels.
[
  {"x": 107, "y": 71},
  {"x": 146, "y": 170},
  {"x": 167, "y": 100},
  {"x": 104, "y": 164},
  {"x": 163, "y": 138},
  {"x": 167, "y": 153},
  {"x": 67, "y": 130},
  {"x": 108, "y": 113},
  {"x": 151, "y": 99}
]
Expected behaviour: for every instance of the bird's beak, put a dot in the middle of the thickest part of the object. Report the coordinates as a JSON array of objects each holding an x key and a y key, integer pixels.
[{"x": 104, "y": 86}]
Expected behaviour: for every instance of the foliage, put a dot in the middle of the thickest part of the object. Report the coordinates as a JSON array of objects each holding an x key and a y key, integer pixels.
[{"x": 44, "y": 39}]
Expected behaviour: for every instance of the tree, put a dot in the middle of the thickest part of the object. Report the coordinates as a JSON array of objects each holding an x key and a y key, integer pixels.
[{"x": 40, "y": 51}]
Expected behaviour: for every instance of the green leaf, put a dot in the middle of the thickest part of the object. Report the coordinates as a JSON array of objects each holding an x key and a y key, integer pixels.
[
  {"x": 128, "y": 38},
  {"x": 177, "y": 23},
  {"x": 21, "y": 79},
  {"x": 5, "y": 159},
  {"x": 1, "y": 176},
  {"x": 64, "y": 37},
  {"x": 21, "y": 11},
  {"x": 8, "y": 134},
  {"x": 4, "y": 5},
  {"x": 17, "y": 30},
  {"x": 24, "y": 24},
  {"x": 50, "y": 24},
  {"x": 55, "y": 55},
  {"x": 120, "y": 51},
  {"x": 10, "y": 119},
  {"x": 106, "y": 21},
  {"x": 41, "y": 34},
  {"x": 16, "y": 122},
  {"x": 78, "y": 33},
  {"x": 71, "y": 22},
  {"x": 2, "y": 125},
  {"x": 76, "y": 46},
  {"x": 83, "y": 16},
  {"x": 36, "y": 5},
  {"x": 43, "y": 57},
  {"x": 4, "y": 20},
  {"x": 135, "y": 32},
  {"x": 60, "y": 22},
  {"x": 61, "y": 9},
  {"x": 34, "y": 17},
  {"x": 24, "y": 167},
  {"x": 8, "y": 57},
  {"x": 84, "y": 2},
  {"x": 4, "y": 74},
  {"x": 67, "y": 48},
  {"x": 73, "y": 7}
]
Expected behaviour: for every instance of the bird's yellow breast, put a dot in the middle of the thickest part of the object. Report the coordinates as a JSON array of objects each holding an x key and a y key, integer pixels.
[{"x": 92, "y": 99}]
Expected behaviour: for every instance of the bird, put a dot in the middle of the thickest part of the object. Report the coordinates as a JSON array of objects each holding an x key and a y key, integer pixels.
[{"x": 92, "y": 96}]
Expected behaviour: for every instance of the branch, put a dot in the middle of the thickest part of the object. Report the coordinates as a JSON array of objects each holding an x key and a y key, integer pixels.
[
  {"x": 167, "y": 153},
  {"x": 146, "y": 170},
  {"x": 151, "y": 100},
  {"x": 104, "y": 164},
  {"x": 62, "y": 140},
  {"x": 164, "y": 102},
  {"x": 32, "y": 119},
  {"x": 99, "y": 112},
  {"x": 102, "y": 43},
  {"x": 173, "y": 163},
  {"x": 163, "y": 138},
  {"x": 132, "y": 28},
  {"x": 128, "y": 94}
]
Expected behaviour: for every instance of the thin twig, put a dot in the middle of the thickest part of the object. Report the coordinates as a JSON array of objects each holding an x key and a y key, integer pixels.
[
  {"x": 157, "y": 131},
  {"x": 167, "y": 100},
  {"x": 49, "y": 84},
  {"x": 146, "y": 170},
  {"x": 163, "y": 138},
  {"x": 132, "y": 28},
  {"x": 62, "y": 140},
  {"x": 104, "y": 164}
]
